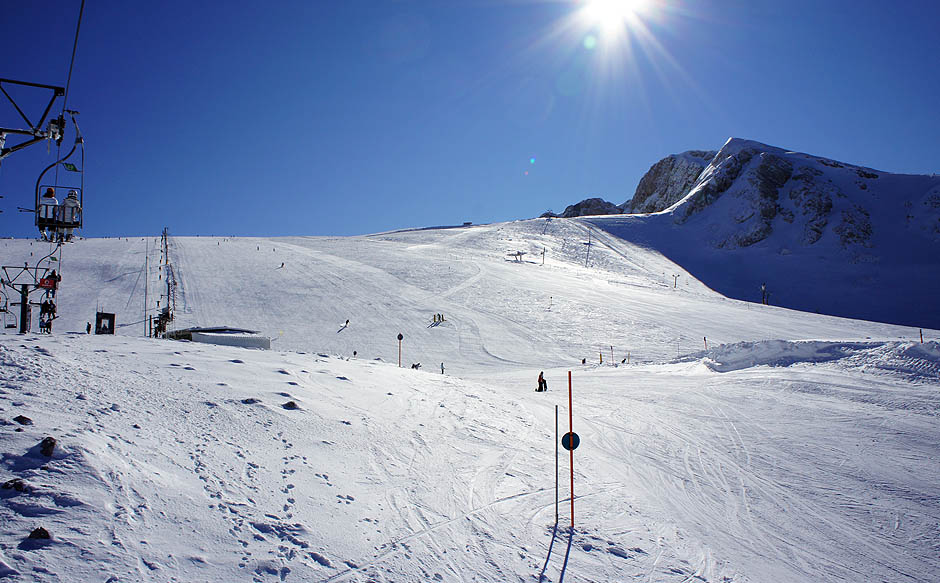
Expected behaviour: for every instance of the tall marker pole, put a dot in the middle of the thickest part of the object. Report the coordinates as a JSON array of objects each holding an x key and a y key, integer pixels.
[
  {"x": 556, "y": 465},
  {"x": 571, "y": 451},
  {"x": 400, "y": 338},
  {"x": 146, "y": 281}
]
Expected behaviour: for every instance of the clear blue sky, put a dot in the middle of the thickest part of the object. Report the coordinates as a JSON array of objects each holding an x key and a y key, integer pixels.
[{"x": 334, "y": 118}]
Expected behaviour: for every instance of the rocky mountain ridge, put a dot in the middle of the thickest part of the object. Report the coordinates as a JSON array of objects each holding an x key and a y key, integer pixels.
[
  {"x": 747, "y": 191},
  {"x": 819, "y": 235}
]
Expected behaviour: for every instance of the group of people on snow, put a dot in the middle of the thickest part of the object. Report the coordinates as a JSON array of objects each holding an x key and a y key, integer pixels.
[{"x": 47, "y": 314}]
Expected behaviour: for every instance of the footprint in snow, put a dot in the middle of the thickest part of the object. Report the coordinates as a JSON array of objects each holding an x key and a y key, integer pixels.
[
  {"x": 342, "y": 378},
  {"x": 237, "y": 361}
]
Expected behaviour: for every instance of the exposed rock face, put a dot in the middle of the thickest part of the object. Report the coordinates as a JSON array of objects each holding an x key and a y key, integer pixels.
[
  {"x": 591, "y": 206},
  {"x": 748, "y": 193},
  {"x": 752, "y": 192},
  {"x": 717, "y": 177},
  {"x": 668, "y": 181},
  {"x": 855, "y": 227},
  {"x": 766, "y": 180},
  {"x": 814, "y": 198}
]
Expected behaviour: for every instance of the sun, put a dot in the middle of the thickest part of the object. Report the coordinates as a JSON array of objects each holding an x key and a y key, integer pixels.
[{"x": 612, "y": 16}]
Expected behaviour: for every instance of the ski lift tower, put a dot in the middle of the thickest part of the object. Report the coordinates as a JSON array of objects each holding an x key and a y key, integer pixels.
[
  {"x": 25, "y": 280},
  {"x": 33, "y": 132}
]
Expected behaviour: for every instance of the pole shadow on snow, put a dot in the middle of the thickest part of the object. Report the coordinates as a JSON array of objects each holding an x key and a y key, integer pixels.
[{"x": 564, "y": 567}]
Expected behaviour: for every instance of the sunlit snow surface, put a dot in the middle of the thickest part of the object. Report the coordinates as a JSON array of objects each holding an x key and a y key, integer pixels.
[{"x": 798, "y": 447}]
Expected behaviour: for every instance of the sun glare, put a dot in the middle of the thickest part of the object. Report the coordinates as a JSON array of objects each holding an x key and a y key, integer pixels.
[{"x": 612, "y": 16}]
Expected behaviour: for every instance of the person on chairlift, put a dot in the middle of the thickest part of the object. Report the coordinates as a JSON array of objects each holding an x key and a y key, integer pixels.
[
  {"x": 71, "y": 213},
  {"x": 47, "y": 208}
]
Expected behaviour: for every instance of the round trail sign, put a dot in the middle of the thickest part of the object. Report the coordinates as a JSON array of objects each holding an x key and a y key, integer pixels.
[
  {"x": 570, "y": 441},
  {"x": 400, "y": 337}
]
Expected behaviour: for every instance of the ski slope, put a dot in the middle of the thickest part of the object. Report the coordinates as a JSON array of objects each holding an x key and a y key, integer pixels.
[{"x": 798, "y": 447}]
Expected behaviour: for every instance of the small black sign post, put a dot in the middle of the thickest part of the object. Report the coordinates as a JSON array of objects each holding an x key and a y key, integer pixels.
[{"x": 400, "y": 338}]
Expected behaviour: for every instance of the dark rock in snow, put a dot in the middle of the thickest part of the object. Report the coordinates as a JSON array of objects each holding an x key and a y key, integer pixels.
[
  {"x": 16, "y": 484},
  {"x": 47, "y": 446},
  {"x": 40, "y": 534},
  {"x": 290, "y": 405},
  {"x": 23, "y": 420}
]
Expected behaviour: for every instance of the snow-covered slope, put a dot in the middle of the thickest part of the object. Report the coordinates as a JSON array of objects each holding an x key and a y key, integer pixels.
[
  {"x": 798, "y": 447},
  {"x": 822, "y": 235},
  {"x": 499, "y": 311}
]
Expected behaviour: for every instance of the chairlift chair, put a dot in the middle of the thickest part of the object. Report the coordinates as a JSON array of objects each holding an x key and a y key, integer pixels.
[
  {"x": 7, "y": 317},
  {"x": 60, "y": 217}
]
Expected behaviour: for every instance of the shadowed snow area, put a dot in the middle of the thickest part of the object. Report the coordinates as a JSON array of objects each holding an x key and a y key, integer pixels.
[{"x": 796, "y": 447}]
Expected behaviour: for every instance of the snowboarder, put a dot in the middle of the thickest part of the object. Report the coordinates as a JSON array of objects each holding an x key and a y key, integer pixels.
[{"x": 543, "y": 386}]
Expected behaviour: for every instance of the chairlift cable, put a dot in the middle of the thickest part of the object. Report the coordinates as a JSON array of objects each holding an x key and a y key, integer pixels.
[{"x": 68, "y": 81}]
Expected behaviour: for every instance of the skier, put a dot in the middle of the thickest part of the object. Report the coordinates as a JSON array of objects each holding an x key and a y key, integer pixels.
[
  {"x": 442, "y": 368},
  {"x": 543, "y": 386},
  {"x": 87, "y": 327}
]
